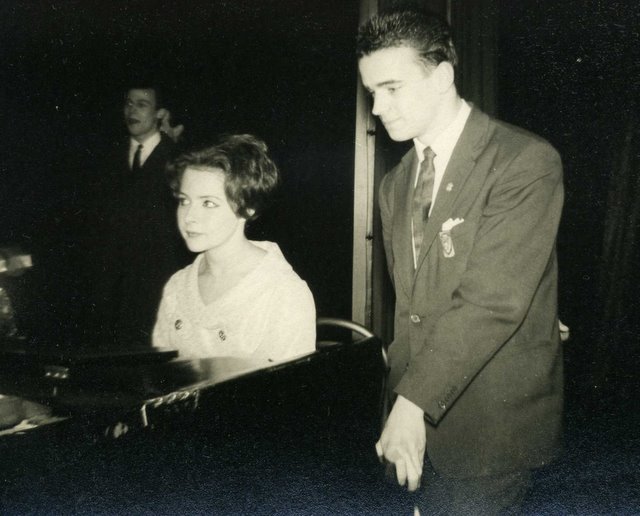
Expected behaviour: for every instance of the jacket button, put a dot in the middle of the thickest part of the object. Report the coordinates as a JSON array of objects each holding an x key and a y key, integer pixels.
[
  {"x": 415, "y": 318},
  {"x": 442, "y": 404}
]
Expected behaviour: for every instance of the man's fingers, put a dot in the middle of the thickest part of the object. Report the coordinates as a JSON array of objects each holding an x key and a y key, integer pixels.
[
  {"x": 401, "y": 471},
  {"x": 413, "y": 479},
  {"x": 416, "y": 460},
  {"x": 413, "y": 472},
  {"x": 408, "y": 470},
  {"x": 379, "y": 451}
]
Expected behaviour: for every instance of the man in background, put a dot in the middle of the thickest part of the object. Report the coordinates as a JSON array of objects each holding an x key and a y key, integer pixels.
[
  {"x": 470, "y": 217},
  {"x": 138, "y": 246}
]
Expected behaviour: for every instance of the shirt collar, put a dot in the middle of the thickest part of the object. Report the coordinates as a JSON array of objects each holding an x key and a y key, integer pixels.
[
  {"x": 149, "y": 144},
  {"x": 444, "y": 143}
]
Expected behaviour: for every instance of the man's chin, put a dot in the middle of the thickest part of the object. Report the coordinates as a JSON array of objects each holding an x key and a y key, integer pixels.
[{"x": 397, "y": 135}]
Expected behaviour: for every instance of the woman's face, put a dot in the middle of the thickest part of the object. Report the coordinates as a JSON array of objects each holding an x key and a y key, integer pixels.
[{"x": 205, "y": 218}]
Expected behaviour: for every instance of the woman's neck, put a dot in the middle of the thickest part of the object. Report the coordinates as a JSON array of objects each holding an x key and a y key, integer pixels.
[
  {"x": 220, "y": 271},
  {"x": 231, "y": 259}
]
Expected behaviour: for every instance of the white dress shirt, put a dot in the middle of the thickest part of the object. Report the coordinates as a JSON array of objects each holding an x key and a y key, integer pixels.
[
  {"x": 147, "y": 148},
  {"x": 443, "y": 146}
]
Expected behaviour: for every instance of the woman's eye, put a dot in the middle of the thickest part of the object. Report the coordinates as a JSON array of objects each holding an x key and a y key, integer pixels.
[
  {"x": 209, "y": 204},
  {"x": 182, "y": 201}
]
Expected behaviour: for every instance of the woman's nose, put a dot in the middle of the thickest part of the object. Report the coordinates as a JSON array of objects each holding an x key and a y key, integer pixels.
[{"x": 189, "y": 214}]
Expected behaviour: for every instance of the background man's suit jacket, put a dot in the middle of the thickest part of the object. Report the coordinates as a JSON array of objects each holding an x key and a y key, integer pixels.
[
  {"x": 140, "y": 247},
  {"x": 476, "y": 341}
]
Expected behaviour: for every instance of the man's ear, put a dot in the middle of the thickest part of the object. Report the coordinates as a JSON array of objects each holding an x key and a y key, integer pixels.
[{"x": 445, "y": 75}]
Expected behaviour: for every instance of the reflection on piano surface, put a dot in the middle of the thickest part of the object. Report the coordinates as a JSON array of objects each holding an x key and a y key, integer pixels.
[
  {"x": 101, "y": 430},
  {"x": 107, "y": 432}
]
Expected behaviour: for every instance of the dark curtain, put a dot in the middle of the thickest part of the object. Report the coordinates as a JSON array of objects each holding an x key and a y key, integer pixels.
[
  {"x": 475, "y": 32},
  {"x": 617, "y": 345}
]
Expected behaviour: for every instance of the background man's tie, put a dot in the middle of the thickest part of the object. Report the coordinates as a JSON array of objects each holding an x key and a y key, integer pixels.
[
  {"x": 422, "y": 198},
  {"x": 136, "y": 166}
]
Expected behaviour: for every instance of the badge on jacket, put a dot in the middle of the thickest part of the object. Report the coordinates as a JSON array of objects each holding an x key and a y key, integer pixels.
[{"x": 445, "y": 237}]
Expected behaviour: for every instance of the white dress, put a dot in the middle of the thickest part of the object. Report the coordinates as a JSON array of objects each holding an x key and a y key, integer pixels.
[{"x": 270, "y": 314}]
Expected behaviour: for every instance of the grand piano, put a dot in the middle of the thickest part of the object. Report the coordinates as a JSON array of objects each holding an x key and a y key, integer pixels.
[{"x": 140, "y": 430}]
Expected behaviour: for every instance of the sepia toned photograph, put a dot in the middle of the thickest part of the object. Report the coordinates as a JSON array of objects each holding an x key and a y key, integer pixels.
[{"x": 319, "y": 257}]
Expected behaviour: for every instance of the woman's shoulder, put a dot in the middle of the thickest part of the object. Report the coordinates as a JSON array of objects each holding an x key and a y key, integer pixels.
[
  {"x": 274, "y": 264},
  {"x": 285, "y": 280}
]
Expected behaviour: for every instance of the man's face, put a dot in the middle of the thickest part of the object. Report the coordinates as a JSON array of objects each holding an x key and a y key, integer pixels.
[
  {"x": 404, "y": 93},
  {"x": 141, "y": 113}
]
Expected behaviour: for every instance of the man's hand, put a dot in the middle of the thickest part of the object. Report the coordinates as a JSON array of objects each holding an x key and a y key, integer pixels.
[
  {"x": 564, "y": 331},
  {"x": 403, "y": 442},
  {"x": 173, "y": 132}
]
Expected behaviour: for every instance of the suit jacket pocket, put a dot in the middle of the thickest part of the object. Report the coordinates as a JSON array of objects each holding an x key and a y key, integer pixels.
[{"x": 456, "y": 241}]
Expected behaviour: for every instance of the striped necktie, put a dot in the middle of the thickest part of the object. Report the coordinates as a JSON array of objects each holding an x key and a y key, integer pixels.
[{"x": 422, "y": 195}]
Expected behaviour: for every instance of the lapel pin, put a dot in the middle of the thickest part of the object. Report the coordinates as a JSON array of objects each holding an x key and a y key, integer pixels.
[{"x": 449, "y": 187}]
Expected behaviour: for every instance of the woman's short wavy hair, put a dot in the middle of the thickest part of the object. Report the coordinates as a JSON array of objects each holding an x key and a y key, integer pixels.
[{"x": 250, "y": 175}]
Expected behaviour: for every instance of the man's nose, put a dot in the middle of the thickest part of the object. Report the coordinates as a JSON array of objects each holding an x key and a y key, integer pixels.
[{"x": 379, "y": 105}]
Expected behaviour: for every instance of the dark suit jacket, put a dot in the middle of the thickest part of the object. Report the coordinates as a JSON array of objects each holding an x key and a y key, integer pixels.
[
  {"x": 476, "y": 341},
  {"x": 140, "y": 245}
]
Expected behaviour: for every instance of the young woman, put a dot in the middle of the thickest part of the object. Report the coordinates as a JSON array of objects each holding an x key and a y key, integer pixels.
[{"x": 239, "y": 297}]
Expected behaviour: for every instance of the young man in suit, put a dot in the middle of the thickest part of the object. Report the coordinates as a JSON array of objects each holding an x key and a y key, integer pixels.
[
  {"x": 469, "y": 219},
  {"x": 140, "y": 244}
]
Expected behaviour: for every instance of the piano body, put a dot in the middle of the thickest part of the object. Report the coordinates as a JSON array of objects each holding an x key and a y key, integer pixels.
[{"x": 110, "y": 430}]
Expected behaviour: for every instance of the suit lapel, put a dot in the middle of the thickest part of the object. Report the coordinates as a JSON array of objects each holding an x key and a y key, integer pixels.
[
  {"x": 402, "y": 241},
  {"x": 156, "y": 154},
  {"x": 470, "y": 144}
]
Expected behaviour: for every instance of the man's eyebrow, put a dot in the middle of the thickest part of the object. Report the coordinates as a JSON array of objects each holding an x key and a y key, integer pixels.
[{"x": 390, "y": 82}]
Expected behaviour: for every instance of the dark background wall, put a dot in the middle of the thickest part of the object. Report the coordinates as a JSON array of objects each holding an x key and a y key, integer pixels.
[
  {"x": 569, "y": 71},
  {"x": 281, "y": 69}
]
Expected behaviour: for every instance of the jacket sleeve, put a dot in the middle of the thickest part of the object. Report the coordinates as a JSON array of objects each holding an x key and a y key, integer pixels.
[
  {"x": 512, "y": 251},
  {"x": 384, "y": 200}
]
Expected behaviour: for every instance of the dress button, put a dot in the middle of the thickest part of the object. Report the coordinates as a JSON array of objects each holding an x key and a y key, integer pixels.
[
  {"x": 442, "y": 404},
  {"x": 415, "y": 318},
  {"x": 178, "y": 324}
]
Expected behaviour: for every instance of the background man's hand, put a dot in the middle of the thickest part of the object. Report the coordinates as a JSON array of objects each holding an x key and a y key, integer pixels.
[
  {"x": 173, "y": 132},
  {"x": 403, "y": 442}
]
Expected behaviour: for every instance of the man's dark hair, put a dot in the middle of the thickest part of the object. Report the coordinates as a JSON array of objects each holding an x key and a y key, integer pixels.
[
  {"x": 146, "y": 85},
  {"x": 250, "y": 176},
  {"x": 427, "y": 32}
]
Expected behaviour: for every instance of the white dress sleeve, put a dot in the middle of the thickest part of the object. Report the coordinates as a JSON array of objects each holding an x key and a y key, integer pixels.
[
  {"x": 291, "y": 329},
  {"x": 162, "y": 330}
]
